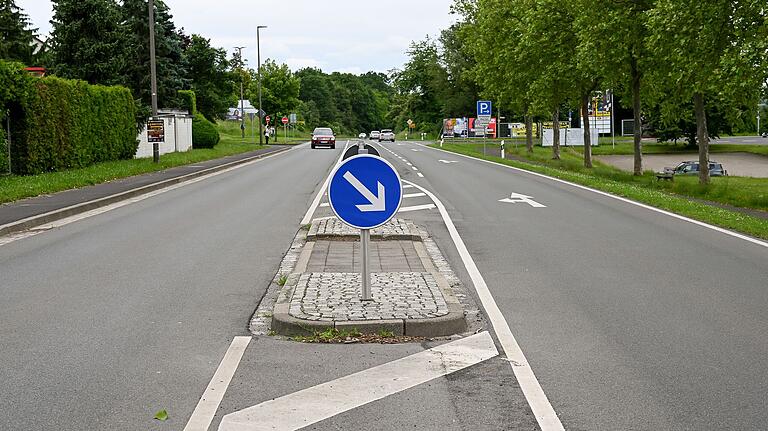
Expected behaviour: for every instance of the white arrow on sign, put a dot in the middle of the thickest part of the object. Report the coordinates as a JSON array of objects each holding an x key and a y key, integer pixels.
[
  {"x": 447, "y": 161},
  {"x": 516, "y": 198},
  {"x": 377, "y": 203}
]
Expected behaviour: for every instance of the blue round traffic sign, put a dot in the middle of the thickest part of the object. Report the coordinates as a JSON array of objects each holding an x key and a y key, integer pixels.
[{"x": 365, "y": 191}]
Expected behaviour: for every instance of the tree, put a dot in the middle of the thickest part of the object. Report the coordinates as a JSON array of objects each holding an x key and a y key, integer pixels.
[
  {"x": 706, "y": 50},
  {"x": 612, "y": 39},
  {"x": 168, "y": 52},
  {"x": 209, "y": 76},
  {"x": 280, "y": 88},
  {"x": 16, "y": 35},
  {"x": 87, "y": 41}
]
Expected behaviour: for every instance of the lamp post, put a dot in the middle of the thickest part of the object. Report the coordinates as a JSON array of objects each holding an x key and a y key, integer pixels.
[
  {"x": 153, "y": 74},
  {"x": 242, "y": 104},
  {"x": 258, "y": 59}
]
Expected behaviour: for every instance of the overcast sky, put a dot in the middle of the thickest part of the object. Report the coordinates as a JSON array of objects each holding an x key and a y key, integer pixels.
[{"x": 335, "y": 35}]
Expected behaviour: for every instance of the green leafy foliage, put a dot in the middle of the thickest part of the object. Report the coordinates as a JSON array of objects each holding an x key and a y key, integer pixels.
[
  {"x": 188, "y": 101},
  {"x": 208, "y": 76},
  {"x": 204, "y": 133},
  {"x": 161, "y": 415}
]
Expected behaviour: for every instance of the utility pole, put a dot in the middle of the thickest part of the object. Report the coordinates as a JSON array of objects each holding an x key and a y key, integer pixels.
[
  {"x": 258, "y": 59},
  {"x": 153, "y": 74},
  {"x": 242, "y": 104}
]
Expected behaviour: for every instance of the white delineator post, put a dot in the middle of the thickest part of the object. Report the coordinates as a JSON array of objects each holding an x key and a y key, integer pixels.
[{"x": 502, "y": 149}]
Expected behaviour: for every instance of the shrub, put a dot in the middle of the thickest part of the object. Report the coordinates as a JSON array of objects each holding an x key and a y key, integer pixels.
[
  {"x": 188, "y": 101},
  {"x": 59, "y": 124},
  {"x": 204, "y": 133}
]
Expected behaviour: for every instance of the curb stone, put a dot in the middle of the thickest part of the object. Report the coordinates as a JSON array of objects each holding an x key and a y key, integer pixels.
[{"x": 54, "y": 215}]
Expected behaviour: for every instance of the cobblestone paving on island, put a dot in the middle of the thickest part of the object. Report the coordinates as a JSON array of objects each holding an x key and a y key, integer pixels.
[
  {"x": 329, "y": 296},
  {"x": 333, "y": 227}
]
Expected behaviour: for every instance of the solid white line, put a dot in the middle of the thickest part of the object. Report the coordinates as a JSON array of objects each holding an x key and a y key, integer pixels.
[
  {"x": 537, "y": 399},
  {"x": 312, "y": 405},
  {"x": 629, "y": 201},
  {"x": 316, "y": 201},
  {"x": 101, "y": 210},
  {"x": 206, "y": 408},
  {"x": 413, "y": 195},
  {"x": 420, "y": 174},
  {"x": 416, "y": 208}
]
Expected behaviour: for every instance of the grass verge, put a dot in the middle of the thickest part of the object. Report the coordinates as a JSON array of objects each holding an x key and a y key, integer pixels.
[
  {"x": 15, "y": 187},
  {"x": 336, "y": 336},
  {"x": 671, "y": 196}
]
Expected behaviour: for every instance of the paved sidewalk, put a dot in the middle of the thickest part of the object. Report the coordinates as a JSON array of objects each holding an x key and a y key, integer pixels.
[
  {"x": 30, "y": 208},
  {"x": 411, "y": 285}
]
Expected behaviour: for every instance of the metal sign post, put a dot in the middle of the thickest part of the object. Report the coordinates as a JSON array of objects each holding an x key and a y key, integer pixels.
[{"x": 365, "y": 192}]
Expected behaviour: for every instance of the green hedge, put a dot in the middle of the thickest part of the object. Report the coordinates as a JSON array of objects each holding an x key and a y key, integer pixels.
[
  {"x": 188, "y": 101},
  {"x": 204, "y": 133},
  {"x": 59, "y": 124}
]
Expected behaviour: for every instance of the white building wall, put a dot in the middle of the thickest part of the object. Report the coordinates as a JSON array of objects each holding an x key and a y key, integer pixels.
[{"x": 178, "y": 137}]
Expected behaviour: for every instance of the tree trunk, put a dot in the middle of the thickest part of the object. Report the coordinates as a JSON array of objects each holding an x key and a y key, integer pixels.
[
  {"x": 638, "y": 132},
  {"x": 587, "y": 137},
  {"x": 556, "y": 134},
  {"x": 703, "y": 137},
  {"x": 529, "y": 134}
]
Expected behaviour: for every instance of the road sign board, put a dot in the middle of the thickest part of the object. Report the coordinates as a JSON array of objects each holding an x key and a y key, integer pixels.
[
  {"x": 292, "y": 117},
  {"x": 285, "y": 120},
  {"x": 156, "y": 131},
  {"x": 484, "y": 108},
  {"x": 365, "y": 191}
]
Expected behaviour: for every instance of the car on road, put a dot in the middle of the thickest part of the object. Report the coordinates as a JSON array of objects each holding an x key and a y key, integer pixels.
[
  {"x": 323, "y": 137},
  {"x": 374, "y": 134},
  {"x": 692, "y": 168},
  {"x": 387, "y": 135}
]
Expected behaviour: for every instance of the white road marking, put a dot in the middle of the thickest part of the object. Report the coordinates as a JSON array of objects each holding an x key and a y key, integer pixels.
[
  {"x": 413, "y": 195},
  {"x": 325, "y": 204},
  {"x": 409, "y": 164},
  {"x": 414, "y": 168},
  {"x": 420, "y": 174},
  {"x": 447, "y": 161},
  {"x": 619, "y": 198},
  {"x": 516, "y": 198},
  {"x": 101, "y": 210},
  {"x": 537, "y": 399},
  {"x": 312, "y": 405},
  {"x": 414, "y": 149},
  {"x": 407, "y": 186},
  {"x": 416, "y": 208},
  {"x": 206, "y": 408},
  {"x": 316, "y": 201}
]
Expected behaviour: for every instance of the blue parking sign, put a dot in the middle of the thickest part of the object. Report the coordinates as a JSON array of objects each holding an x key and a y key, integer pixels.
[
  {"x": 365, "y": 191},
  {"x": 484, "y": 107}
]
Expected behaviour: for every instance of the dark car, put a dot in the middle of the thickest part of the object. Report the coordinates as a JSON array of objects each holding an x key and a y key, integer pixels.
[
  {"x": 323, "y": 137},
  {"x": 692, "y": 168}
]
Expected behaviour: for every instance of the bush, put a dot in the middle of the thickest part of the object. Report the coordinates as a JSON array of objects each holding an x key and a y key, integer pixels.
[
  {"x": 188, "y": 101},
  {"x": 204, "y": 133},
  {"x": 60, "y": 124}
]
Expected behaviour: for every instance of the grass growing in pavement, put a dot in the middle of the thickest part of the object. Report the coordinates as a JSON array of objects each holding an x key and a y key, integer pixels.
[
  {"x": 15, "y": 187},
  {"x": 671, "y": 196},
  {"x": 343, "y": 336}
]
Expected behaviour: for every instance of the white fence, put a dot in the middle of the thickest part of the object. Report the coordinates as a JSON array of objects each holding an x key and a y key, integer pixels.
[
  {"x": 178, "y": 137},
  {"x": 569, "y": 137}
]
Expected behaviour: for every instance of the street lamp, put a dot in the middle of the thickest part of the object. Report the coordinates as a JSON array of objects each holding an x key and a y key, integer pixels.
[
  {"x": 153, "y": 74},
  {"x": 242, "y": 104},
  {"x": 258, "y": 59}
]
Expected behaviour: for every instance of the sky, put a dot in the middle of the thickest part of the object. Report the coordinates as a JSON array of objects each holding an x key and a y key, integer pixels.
[{"x": 352, "y": 36}]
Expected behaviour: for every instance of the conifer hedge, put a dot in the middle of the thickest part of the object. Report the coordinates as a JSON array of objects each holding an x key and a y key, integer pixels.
[{"x": 59, "y": 124}]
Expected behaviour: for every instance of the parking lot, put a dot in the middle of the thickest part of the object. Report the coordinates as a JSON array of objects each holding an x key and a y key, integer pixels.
[{"x": 737, "y": 164}]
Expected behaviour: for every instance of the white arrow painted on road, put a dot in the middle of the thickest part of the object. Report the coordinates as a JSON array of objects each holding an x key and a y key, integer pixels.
[
  {"x": 377, "y": 203},
  {"x": 447, "y": 161},
  {"x": 517, "y": 198}
]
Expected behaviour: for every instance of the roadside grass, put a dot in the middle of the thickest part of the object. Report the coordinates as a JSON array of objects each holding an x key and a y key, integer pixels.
[
  {"x": 15, "y": 187},
  {"x": 674, "y": 196},
  {"x": 344, "y": 336}
]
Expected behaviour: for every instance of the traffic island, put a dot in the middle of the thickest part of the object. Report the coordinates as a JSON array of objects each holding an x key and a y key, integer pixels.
[{"x": 318, "y": 286}]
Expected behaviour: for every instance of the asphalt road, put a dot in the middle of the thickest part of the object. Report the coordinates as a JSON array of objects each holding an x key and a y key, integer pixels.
[
  {"x": 631, "y": 319},
  {"x": 107, "y": 320}
]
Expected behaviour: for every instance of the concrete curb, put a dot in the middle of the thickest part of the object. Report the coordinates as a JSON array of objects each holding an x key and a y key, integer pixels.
[
  {"x": 454, "y": 322},
  {"x": 51, "y": 216}
]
